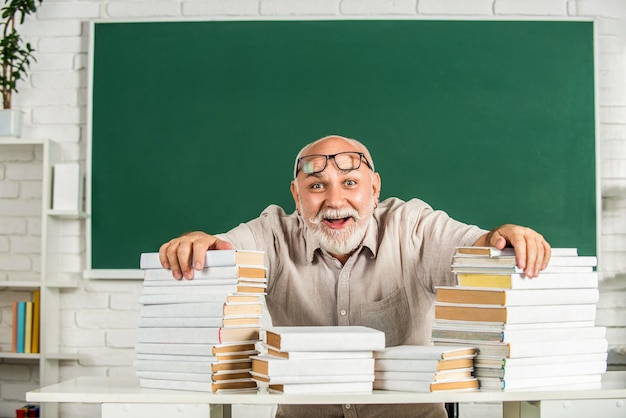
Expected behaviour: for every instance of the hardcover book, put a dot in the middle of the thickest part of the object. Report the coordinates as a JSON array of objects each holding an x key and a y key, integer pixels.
[
  {"x": 183, "y": 310},
  {"x": 325, "y": 338},
  {"x": 516, "y": 314},
  {"x": 176, "y": 348},
  {"x": 545, "y": 280},
  {"x": 421, "y": 365},
  {"x": 434, "y": 376},
  {"x": 542, "y": 348},
  {"x": 274, "y": 366},
  {"x": 213, "y": 258},
  {"x": 476, "y": 336},
  {"x": 425, "y": 352},
  {"x": 543, "y": 370},
  {"x": 330, "y": 387},
  {"x": 36, "y": 321},
  {"x": 509, "y": 251},
  {"x": 421, "y": 386},
  {"x": 516, "y": 297},
  {"x": 494, "y": 383},
  {"x": 284, "y": 380},
  {"x": 311, "y": 355}
]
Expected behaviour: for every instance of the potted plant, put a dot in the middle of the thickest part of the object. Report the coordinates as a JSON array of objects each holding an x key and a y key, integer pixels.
[{"x": 15, "y": 58}]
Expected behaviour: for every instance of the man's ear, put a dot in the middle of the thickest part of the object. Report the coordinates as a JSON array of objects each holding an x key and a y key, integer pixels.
[
  {"x": 294, "y": 193},
  {"x": 376, "y": 184}
]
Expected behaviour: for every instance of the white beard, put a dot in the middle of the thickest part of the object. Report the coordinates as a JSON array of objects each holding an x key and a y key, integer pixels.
[{"x": 340, "y": 241}]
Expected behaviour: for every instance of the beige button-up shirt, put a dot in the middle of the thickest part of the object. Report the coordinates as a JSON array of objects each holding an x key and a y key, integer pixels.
[{"x": 387, "y": 284}]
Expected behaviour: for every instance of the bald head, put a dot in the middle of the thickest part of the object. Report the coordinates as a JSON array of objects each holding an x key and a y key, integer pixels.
[{"x": 330, "y": 145}]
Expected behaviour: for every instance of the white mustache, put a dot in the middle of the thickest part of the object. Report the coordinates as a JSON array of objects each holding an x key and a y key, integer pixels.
[{"x": 335, "y": 214}]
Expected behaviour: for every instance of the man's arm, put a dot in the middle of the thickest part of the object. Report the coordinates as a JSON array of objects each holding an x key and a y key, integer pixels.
[
  {"x": 532, "y": 251},
  {"x": 177, "y": 254}
]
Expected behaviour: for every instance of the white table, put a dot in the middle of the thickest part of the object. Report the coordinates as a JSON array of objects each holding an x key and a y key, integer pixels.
[{"x": 122, "y": 397}]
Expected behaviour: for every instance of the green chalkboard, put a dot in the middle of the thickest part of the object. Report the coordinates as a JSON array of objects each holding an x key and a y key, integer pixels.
[{"x": 195, "y": 124}]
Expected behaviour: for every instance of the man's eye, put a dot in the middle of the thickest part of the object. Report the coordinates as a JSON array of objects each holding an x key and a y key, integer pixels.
[
  {"x": 316, "y": 186},
  {"x": 350, "y": 183}
]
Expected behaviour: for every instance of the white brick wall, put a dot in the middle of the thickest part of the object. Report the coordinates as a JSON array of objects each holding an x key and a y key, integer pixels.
[{"x": 97, "y": 319}]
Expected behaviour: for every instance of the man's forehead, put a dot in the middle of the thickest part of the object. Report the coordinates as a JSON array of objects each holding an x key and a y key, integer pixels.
[{"x": 332, "y": 146}]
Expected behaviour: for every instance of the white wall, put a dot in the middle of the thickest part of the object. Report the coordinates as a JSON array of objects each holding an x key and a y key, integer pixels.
[{"x": 98, "y": 318}]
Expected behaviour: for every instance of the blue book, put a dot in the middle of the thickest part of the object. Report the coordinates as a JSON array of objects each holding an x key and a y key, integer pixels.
[{"x": 21, "y": 325}]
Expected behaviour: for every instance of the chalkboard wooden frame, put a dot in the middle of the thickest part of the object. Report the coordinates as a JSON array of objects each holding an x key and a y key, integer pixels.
[{"x": 493, "y": 121}]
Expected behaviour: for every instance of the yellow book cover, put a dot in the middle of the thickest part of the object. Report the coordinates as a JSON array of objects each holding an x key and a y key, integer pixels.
[
  {"x": 28, "y": 330},
  {"x": 36, "y": 312}
]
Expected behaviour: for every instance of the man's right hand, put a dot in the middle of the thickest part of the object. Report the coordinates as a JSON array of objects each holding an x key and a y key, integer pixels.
[{"x": 184, "y": 254}]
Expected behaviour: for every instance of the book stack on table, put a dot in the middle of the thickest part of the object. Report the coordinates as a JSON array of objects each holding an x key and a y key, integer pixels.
[
  {"x": 530, "y": 332},
  {"x": 317, "y": 359},
  {"x": 415, "y": 368},
  {"x": 200, "y": 334}
]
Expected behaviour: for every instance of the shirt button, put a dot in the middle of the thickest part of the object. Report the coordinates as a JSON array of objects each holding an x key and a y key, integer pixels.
[
  {"x": 348, "y": 406},
  {"x": 343, "y": 312}
]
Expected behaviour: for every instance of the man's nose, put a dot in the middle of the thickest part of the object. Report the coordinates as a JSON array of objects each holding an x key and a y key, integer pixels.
[{"x": 335, "y": 195}]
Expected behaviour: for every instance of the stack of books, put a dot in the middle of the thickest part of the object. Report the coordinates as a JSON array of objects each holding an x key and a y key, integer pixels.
[
  {"x": 200, "y": 334},
  {"x": 317, "y": 359},
  {"x": 25, "y": 322},
  {"x": 530, "y": 332},
  {"x": 419, "y": 368}
]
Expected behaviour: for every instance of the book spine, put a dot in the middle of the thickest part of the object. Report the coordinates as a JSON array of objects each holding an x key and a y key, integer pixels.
[
  {"x": 21, "y": 325},
  {"x": 28, "y": 327},
  {"x": 36, "y": 321}
]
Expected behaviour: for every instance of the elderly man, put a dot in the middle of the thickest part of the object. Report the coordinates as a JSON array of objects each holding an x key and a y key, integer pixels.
[{"x": 345, "y": 258}]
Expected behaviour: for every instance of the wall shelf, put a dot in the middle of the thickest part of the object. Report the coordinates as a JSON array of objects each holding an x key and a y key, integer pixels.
[{"x": 52, "y": 279}]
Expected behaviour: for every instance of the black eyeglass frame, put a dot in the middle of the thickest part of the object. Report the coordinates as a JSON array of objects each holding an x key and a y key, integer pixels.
[{"x": 362, "y": 158}]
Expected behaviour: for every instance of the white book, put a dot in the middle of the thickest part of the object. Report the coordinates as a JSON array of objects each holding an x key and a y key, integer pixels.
[
  {"x": 222, "y": 290},
  {"x": 421, "y": 386},
  {"x": 516, "y": 297},
  {"x": 537, "y": 382},
  {"x": 422, "y": 365},
  {"x": 515, "y": 314},
  {"x": 510, "y": 261},
  {"x": 319, "y": 355},
  {"x": 212, "y": 321},
  {"x": 333, "y": 387},
  {"x": 188, "y": 377},
  {"x": 212, "y": 258},
  {"x": 512, "y": 280},
  {"x": 216, "y": 387},
  {"x": 464, "y": 268},
  {"x": 539, "y": 334},
  {"x": 176, "y": 348},
  {"x": 455, "y": 374},
  {"x": 173, "y": 366},
  {"x": 208, "y": 335},
  {"x": 183, "y": 310},
  {"x": 425, "y": 352},
  {"x": 542, "y": 348},
  {"x": 176, "y": 358},
  {"x": 499, "y": 362},
  {"x": 189, "y": 285},
  {"x": 508, "y": 251},
  {"x": 312, "y": 379},
  {"x": 543, "y": 370},
  {"x": 206, "y": 274},
  {"x": 67, "y": 187},
  {"x": 325, "y": 338},
  {"x": 175, "y": 385},
  {"x": 183, "y": 298},
  {"x": 274, "y": 366},
  {"x": 501, "y": 326}
]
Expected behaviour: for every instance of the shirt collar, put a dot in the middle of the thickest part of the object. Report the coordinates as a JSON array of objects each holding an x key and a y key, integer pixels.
[{"x": 370, "y": 240}]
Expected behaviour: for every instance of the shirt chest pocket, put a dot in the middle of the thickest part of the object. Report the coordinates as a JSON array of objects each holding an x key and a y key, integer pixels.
[{"x": 392, "y": 315}]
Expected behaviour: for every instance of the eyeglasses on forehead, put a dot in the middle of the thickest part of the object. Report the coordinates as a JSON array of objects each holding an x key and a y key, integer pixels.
[{"x": 345, "y": 161}]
